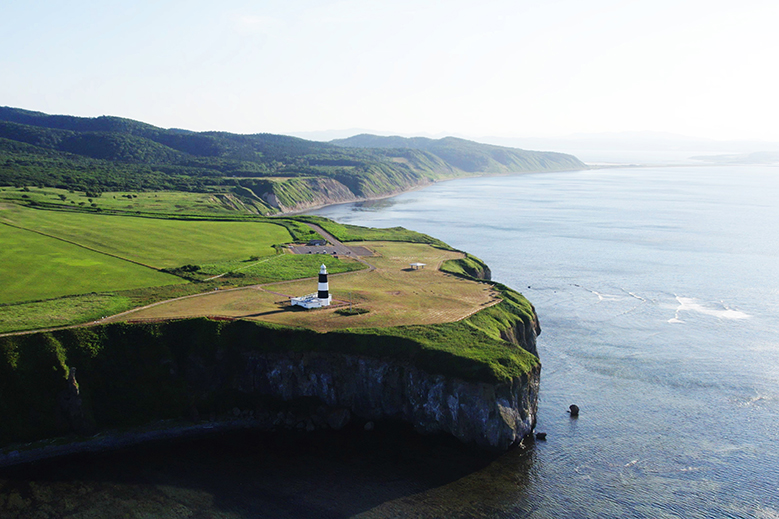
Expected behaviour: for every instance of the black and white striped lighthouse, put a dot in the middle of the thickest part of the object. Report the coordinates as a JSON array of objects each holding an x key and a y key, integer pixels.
[{"x": 324, "y": 289}]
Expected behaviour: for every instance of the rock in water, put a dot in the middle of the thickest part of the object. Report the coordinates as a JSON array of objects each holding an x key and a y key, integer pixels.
[{"x": 338, "y": 418}]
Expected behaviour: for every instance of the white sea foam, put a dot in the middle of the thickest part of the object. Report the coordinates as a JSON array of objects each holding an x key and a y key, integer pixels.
[
  {"x": 719, "y": 310},
  {"x": 605, "y": 297},
  {"x": 758, "y": 399},
  {"x": 631, "y": 294}
]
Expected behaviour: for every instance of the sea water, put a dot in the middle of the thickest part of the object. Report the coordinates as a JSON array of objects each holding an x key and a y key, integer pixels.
[{"x": 658, "y": 295}]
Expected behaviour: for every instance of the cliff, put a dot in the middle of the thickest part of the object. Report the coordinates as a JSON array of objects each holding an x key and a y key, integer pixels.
[
  {"x": 469, "y": 267},
  {"x": 476, "y": 379},
  {"x": 493, "y": 415}
]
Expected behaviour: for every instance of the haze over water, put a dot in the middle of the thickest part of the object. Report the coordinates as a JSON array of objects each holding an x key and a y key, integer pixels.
[{"x": 658, "y": 291}]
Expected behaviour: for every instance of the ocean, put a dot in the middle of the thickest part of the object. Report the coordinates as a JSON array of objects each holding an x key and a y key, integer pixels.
[
  {"x": 658, "y": 295},
  {"x": 657, "y": 289}
]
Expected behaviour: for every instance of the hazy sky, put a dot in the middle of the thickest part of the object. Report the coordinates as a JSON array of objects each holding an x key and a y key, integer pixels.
[{"x": 512, "y": 68}]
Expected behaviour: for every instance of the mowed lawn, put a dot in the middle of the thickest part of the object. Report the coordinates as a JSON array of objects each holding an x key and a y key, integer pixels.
[
  {"x": 155, "y": 242},
  {"x": 394, "y": 294},
  {"x": 35, "y": 267}
]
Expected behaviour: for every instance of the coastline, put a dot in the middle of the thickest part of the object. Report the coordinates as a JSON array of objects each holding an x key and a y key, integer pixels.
[
  {"x": 522, "y": 422},
  {"x": 589, "y": 166},
  {"x": 428, "y": 184}
]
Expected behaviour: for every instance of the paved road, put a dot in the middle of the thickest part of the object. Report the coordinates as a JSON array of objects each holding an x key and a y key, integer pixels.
[{"x": 335, "y": 246}]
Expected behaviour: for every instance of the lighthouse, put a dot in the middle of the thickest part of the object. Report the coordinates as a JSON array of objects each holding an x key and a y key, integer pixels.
[
  {"x": 318, "y": 300},
  {"x": 324, "y": 289}
]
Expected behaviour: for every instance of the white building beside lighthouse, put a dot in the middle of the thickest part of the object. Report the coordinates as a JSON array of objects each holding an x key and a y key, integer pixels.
[{"x": 321, "y": 298}]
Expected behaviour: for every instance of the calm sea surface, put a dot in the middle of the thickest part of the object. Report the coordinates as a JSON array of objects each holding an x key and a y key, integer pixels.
[{"x": 658, "y": 294}]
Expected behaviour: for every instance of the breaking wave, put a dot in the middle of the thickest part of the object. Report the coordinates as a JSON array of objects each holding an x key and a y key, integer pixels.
[{"x": 719, "y": 310}]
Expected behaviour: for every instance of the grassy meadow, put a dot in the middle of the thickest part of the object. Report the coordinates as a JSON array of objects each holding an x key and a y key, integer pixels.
[
  {"x": 158, "y": 243},
  {"x": 281, "y": 267},
  {"x": 350, "y": 233},
  {"x": 62, "y": 311},
  {"x": 162, "y": 202},
  {"x": 36, "y": 267},
  {"x": 65, "y": 267}
]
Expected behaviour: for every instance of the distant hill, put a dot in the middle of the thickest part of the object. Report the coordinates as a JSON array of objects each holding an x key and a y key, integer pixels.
[
  {"x": 270, "y": 173},
  {"x": 470, "y": 156}
]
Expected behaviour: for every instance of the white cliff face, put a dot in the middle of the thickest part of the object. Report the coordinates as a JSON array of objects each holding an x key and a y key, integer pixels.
[{"x": 492, "y": 415}]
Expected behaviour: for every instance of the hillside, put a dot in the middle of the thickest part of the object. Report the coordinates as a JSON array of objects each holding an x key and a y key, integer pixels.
[
  {"x": 265, "y": 173},
  {"x": 470, "y": 156}
]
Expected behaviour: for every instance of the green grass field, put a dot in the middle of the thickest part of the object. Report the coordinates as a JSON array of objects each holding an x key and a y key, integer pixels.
[
  {"x": 158, "y": 243},
  {"x": 83, "y": 254},
  {"x": 281, "y": 267},
  {"x": 36, "y": 267},
  {"x": 91, "y": 255},
  {"x": 347, "y": 232},
  {"x": 166, "y": 202},
  {"x": 61, "y": 312}
]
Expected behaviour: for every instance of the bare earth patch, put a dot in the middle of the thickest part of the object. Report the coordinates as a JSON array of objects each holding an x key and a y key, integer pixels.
[{"x": 393, "y": 293}]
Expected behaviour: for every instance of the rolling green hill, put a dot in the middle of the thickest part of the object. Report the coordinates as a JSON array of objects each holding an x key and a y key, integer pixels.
[{"x": 267, "y": 173}]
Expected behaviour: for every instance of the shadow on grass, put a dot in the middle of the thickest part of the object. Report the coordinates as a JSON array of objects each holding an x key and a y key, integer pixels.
[{"x": 269, "y": 312}]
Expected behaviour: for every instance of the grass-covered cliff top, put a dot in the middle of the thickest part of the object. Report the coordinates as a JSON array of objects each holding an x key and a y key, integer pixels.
[
  {"x": 131, "y": 374},
  {"x": 63, "y": 267},
  {"x": 350, "y": 233},
  {"x": 391, "y": 292},
  {"x": 68, "y": 267}
]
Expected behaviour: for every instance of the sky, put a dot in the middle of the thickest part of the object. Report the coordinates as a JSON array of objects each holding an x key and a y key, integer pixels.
[{"x": 514, "y": 68}]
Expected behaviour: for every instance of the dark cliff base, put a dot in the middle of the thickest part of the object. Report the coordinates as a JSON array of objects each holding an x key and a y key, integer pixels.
[
  {"x": 173, "y": 432},
  {"x": 248, "y": 474}
]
